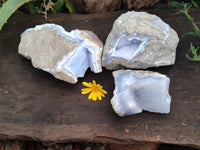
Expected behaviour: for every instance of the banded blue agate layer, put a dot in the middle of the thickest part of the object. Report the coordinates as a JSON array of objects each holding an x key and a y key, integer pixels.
[
  {"x": 127, "y": 46},
  {"x": 76, "y": 63},
  {"x": 136, "y": 91},
  {"x": 162, "y": 24}
]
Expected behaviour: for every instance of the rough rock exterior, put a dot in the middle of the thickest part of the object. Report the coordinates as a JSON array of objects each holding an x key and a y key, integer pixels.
[
  {"x": 140, "y": 40},
  {"x": 140, "y": 90},
  {"x": 66, "y": 55}
]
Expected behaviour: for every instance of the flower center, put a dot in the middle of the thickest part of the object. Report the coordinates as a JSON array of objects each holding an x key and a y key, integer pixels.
[{"x": 95, "y": 88}]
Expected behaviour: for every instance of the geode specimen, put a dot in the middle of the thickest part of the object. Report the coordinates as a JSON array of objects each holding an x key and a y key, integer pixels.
[
  {"x": 140, "y": 90},
  {"x": 66, "y": 55},
  {"x": 139, "y": 40}
]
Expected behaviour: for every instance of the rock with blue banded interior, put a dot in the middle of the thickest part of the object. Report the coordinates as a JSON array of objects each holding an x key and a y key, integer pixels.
[
  {"x": 136, "y": 91},
  {"x": 139, "y": 40},
  {"x": 66, "y": 55}
]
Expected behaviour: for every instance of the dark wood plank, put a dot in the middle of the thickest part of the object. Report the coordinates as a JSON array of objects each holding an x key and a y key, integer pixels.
[{"x": 34, "y": 105}]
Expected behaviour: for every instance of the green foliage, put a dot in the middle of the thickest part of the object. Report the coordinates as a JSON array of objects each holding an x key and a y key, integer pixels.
[
  {"x": 59, "y": 6},
  {"x": 175, "y": 4},
  {"x": 195, "y": 4},
  {"x": 52, "y": 6},
  {"x": 178, "y": 4},
  {"x": 195, "y": 52},
  {"x": 32, "y": 8},
  {"x": 37, "y": 6},
  {"x": 70, "y": 7},
  {"x": 62, "y": 5},
  {"x": 8, "y": 9},
  {"x": 196, "y": 32}
]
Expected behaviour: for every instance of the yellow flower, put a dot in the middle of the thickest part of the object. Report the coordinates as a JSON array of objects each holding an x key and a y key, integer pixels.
[{"x": 96, "y": 90}]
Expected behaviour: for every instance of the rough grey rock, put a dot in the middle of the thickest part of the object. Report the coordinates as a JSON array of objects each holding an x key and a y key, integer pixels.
[
  {"x": 140, "y": 90},
  {"x": 66, "y": 55},
  {"x": 139, "y": 40}
]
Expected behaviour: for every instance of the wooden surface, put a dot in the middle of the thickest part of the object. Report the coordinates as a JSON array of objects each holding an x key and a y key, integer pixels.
[{"x": 35, "y": 105}]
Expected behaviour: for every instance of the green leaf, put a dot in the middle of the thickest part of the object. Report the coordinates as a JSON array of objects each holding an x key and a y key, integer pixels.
[
  {"x": 70, "y": 7},
  {"x": 188, "y": 6},
  {"x": 175, "y": 4},
  {"x": 8, "y": 9},
  {"x": 180, "y": 11},
  {"x": 196, "y": 30},
  {"x": 31, "y": 8},
  {"x": 194, "y": 4},
  {"x": 59, "y": 6},
  {"x": 190, "y": 33},
  {"x": 194, "y": 51}
]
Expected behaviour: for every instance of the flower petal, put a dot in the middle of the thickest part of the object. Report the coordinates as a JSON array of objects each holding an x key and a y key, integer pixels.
[
  {"x": 94, "y": 82},
  {"x": 102, "y": 94},
  {"x": 87, "y": 84},
  {"x": 94, "y": 97},
  {"x": 90, "y": 96},
  {"x": 103, "y": 91},
  {"x": 86, "y": 90},
  {"x": 99, "y": 96}
]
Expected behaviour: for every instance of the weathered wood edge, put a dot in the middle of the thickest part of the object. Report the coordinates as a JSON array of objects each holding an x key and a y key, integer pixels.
[{"x": 87, "y": 135}]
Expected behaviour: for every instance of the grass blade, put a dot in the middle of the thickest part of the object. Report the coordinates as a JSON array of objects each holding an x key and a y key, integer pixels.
[{"x": 8, "y": 9}]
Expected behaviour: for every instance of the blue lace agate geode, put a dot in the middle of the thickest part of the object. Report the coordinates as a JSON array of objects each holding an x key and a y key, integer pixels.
[
  {"x": 66, "y": 55},
  {"x": 136, "y": 91},
  {"x": 139, "y": 40}
]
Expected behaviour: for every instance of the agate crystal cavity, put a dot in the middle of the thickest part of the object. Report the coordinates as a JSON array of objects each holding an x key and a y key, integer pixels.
[
  {"x": 139, "y": 40},
  {"x": 136, "y": 91},
  {"x": 66, "y": 55},
  {"x": 123, "y": 44}
]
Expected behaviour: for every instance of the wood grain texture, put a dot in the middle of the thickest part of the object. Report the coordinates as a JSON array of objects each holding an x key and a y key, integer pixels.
[{"x": 34, "y": 105}]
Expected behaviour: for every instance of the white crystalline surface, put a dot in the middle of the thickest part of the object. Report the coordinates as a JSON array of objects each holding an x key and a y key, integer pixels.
[
  {"x": 140, "y": 90},
  {"x": 66, "y": 55}
]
